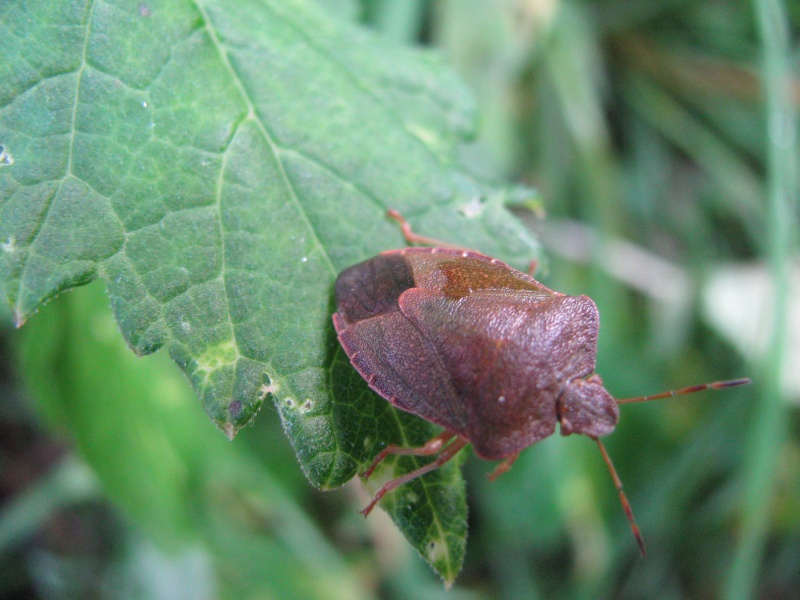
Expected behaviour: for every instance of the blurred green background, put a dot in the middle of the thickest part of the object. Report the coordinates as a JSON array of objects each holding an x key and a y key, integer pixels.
[{"x": 661, "y": 136}]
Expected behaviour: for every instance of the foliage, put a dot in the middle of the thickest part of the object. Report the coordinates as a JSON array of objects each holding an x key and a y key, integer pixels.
[{"x": 218, "y": 180}]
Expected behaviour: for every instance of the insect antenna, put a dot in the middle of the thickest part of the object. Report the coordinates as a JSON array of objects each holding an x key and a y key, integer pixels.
[
  {"x": 626, "y": 506},
  {"x": 716, "y": 385}
]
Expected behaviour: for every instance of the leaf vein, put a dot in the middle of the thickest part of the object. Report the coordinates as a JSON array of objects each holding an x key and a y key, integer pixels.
[{"x": 263, "y": 129}]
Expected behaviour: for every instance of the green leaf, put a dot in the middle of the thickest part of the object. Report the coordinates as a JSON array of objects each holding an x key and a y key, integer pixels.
[
  {"x": 129, "y": 418},
  {"x": 217, "y": 164}
]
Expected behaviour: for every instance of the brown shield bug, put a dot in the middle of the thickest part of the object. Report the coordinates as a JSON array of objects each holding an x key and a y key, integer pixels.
[{"x": 480, "y": 349}]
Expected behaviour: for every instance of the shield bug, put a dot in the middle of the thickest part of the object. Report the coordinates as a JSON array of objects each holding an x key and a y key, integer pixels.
[{"x": 486, "y": 352}]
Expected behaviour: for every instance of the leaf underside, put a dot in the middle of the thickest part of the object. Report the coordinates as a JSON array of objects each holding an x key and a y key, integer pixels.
[{"x": 217, "y": 164}]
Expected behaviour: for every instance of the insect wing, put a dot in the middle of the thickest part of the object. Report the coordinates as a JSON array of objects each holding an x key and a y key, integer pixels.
[
  {"x": 371, "y": 288},
  {"x": 398, "y": 363},
  {"x": 385, "y": 348}
]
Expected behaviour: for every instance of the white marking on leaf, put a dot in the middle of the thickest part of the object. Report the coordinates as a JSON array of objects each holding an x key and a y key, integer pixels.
[{"x": 6, "y": 159}]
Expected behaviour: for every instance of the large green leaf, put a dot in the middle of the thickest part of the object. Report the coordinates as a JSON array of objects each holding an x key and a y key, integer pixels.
[{"x": 217, "y": 164}]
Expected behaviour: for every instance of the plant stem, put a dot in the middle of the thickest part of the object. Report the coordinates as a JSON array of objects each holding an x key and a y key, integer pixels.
[{"x": 769, "y": 431}]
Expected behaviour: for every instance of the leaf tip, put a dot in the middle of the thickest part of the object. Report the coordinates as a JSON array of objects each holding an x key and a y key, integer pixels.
[
  {"x": 230, "y": 430},
  {"x": 19, "y": 318},
  {"x": 237, "y": 415}
]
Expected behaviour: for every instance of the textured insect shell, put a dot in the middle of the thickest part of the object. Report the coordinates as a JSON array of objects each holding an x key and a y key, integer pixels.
[{"x": 467, "y": 342}]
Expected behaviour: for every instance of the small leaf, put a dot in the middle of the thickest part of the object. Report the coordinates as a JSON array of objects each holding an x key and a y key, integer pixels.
[{"x": 217, "y": 164}]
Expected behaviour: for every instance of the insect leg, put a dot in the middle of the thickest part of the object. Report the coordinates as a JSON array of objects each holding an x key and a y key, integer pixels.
[
  {"x": 415, "y": 238},
  {"x": 432, "y": 446},
  {"x": 503, "y": 467},
  {"x": 446, "y": 454}
]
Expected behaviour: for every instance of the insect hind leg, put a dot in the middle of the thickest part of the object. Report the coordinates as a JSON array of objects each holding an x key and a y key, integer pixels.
[
  {"x": 437, "y": 445},
  {"x": 432, "y": 446},
  {"x": 503, "y": 467}
]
